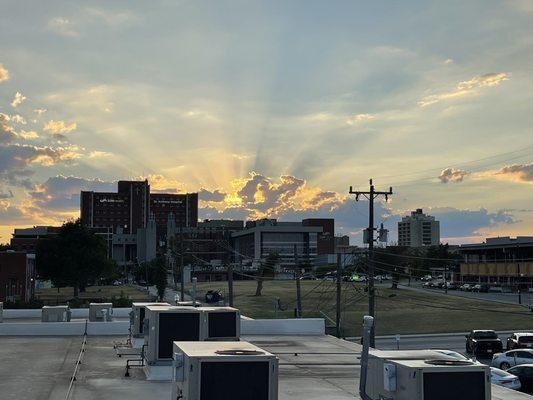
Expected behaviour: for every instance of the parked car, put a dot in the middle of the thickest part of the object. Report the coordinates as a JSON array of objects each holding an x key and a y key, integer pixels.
[
  {"x": 504, "y": 378},
  {"x": 452, "y": 286},
  {"x": 520, "y": 341},
  {"x": 481, "y": 288},
  {"x": 476, "y": 288},
  {"x": 511, "y": 358},
  {"x": 466, "y": 287},
  {"x": 525, "y": 374},
  {"x": 454, "y": 354},
  {"x": 426, "y": 278},
  {"x": 480, "y": 342}
]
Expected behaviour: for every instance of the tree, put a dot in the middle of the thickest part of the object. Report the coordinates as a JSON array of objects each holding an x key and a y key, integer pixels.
[
  {"x": 155, "y": 273},
  {"x": 75, "y": 257},
  {"x": 268, "y": 267}
]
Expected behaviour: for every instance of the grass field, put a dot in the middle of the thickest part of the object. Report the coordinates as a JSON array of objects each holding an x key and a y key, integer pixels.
[
  {"x": 399, "y": 311},
  {"x": 52, "y": 296}
]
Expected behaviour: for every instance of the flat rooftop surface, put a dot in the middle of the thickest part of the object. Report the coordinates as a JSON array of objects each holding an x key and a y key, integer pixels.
[{"x": 39, "y": 368}]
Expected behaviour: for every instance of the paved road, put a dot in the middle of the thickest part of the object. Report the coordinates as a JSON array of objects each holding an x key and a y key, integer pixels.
[{"x": 513, "y": 298}]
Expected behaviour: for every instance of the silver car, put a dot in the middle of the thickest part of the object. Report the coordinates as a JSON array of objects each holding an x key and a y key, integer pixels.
[{"x": 511, "y": 358}]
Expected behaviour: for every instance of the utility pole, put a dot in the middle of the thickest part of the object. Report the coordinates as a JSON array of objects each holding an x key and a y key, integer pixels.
[
  {"x": 519, "y": 278},
  {"x": 338, "y": 313},
  {"x": 230, "y": 284},
  {"x": 182, "y": 268},
  {"x": 371, "y": 195},
  {"x": 445, "y": 281},
  {"x": 298, "y": 288}
]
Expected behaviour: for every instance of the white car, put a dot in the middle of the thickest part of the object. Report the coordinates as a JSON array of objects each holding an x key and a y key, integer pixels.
[
  {"x": 511, "y": 358},
  {"x": 505, "y": 379},
  {"x": 454, "y": 354}
]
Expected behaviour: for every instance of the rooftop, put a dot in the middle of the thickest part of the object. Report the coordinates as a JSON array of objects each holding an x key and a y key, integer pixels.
[{"x": 311, "y": 367}]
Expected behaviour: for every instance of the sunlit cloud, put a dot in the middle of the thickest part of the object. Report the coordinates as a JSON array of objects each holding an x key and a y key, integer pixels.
[
  {"x": 466, "y": 88},
  {"x": 40, "y": 111},
  {"x": 18, "y": 99},
  {"x": 59, "y": 127},
  {"x": 522, "y": 173},
  {"x": 98, "y": 154},
  {"x": 28, "y": 134},
  {"x": 360, "y": 118},
  {"x": 452, "y": 175},
  {"x": 4, "y": 73}
]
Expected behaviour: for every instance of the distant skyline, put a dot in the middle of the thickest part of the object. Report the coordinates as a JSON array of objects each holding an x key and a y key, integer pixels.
[{"x": 272, "y": 108}]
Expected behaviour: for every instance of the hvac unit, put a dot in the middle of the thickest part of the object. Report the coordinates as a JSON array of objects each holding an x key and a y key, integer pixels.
[
  {"x": 100, "y": 312},
  {"x": 166, "y": 324},
  {"x": 55, "y": 314},
  {"x": 222, "y": 323},
  {"x": 223, "y": 370},
  {"x": 425, "y": 375},
  {"x": 138, "y": 311}
]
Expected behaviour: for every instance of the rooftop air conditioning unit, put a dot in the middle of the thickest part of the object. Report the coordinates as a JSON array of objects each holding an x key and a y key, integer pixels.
[
  {"x": 138, "y": 311},
  {"x": 166, "y": 324},
  {"x": 223, "y": 370},
  {"x": 100, "y": 312},
  {"x": 55, "y": 314},
  {"x": 425, "y": 375},
  {"x": 222, "y": 323}
]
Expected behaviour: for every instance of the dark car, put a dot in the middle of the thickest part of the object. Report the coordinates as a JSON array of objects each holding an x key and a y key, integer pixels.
[
  {"x": 483, "y": 342},
  {"x": 524, "y": 372},
  {"x": 520, "y": 341}
]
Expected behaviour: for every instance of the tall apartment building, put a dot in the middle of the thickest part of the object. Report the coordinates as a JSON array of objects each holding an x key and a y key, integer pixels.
[
  {"x": 418, "y": 230},
  {"x": 130, "y": 208}
]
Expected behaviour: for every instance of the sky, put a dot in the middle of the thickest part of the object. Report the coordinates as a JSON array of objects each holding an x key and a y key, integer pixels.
[{"x": 272, "y": 109}]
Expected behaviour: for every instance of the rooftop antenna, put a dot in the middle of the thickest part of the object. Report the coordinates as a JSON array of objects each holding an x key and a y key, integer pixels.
[{"x": 368, "y": 322}]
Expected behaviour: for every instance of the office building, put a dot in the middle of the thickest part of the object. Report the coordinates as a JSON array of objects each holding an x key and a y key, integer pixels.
[
  {"x": 502, "y": 260},
  {"x": 289, "y": 240},
  {"x": 25, "y": 239},
  {"x": 131, "y": 206},
  {"x": 418, "y": 230}
]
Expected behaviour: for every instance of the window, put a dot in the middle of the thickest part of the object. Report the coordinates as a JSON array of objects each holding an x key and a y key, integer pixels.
[{"x": 524, "y": 354}]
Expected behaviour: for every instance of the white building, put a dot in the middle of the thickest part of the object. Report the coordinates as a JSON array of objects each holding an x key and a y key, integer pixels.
[{"x": 418, "y": 230}]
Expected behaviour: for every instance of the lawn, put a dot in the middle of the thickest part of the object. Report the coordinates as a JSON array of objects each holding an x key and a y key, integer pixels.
[
  {"x": 96, "y": 293},
  {"x": 400, "y": 311}
]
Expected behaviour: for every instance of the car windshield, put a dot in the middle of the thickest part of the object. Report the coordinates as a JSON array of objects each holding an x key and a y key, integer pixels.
[
  {"x": 485, "y": 335},
  {"x": 526, "y": 339}
]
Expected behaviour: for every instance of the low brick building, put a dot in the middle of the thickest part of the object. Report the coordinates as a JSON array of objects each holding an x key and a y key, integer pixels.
[{"x": 17, "y": 275}]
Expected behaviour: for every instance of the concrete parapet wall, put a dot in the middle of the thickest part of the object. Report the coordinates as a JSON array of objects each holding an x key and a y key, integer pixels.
[
  {"x": 76, "y": 313},
  {"x": 301, "y": 326}
]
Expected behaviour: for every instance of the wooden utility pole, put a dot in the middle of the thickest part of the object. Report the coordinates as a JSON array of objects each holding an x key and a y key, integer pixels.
[
  {"x": 182, "y": 268},
  {"x": 338, "y": 313},
  {"x": 230, "y": 284},
  {"x": 298, "y": 288},
  {"x": 371, "y": 195}
]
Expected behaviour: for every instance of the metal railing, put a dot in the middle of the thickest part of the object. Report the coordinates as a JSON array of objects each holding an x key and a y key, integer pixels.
[{"x": 78, "y": 363}]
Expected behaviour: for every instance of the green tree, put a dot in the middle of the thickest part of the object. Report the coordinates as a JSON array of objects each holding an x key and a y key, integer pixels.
[
  {"x": 155, "y": 273},
  {"x": 75, "y": 257},
  {"x": 267, "y": 268}
]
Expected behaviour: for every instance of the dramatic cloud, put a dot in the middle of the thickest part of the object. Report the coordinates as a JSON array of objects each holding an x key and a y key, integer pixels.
[
  {"x": 162, "y": 184},
  {"x": 7, "y": 134},
  {"x": 15, "y": 160},
  {"x": 28, "y": 134},
  {"x": 452, "y": 175},
  {"x": 63, "y": 192},
  {"x": 466, "y": 88},
  {"x": 517, "y": 172},
  {"x": 40, "y": 111},
  {"x": 59, "y": 127},
  {"x": 466, "y": 223},
  {"x": 4, "y": 73},
  {"x": 18, "y": 99},
  {"x": 215, "y": 195}
]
